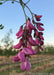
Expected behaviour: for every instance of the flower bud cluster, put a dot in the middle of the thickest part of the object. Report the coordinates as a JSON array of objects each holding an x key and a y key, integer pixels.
[{"x": 26, "y": 41}]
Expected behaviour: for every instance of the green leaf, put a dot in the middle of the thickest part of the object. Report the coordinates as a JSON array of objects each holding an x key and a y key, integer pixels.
[
  {"x": 1, "y": 3},
  {"x": 12, "y": 1},
  {"x": 2, "y": 27}
]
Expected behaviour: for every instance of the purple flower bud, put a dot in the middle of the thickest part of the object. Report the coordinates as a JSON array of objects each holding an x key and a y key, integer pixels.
[
  {"x": 16, "y": 58},
  {"x": 32, "y": 42},
  {"x": 37, "y": 33},
  {"x": 38, "y": 17},
  {"x": 29, "y": 25},
  {"x": 40, "y": 28},
  {"x": 41, "y": 37},
  {"x": 17, "y": 34},
  {"x": 37, "y": 41},
  {"x": 21, "y": 33},
  {"x": 41, "y": 43},
  {"x": 39, "y": 24},
  {"x": 18, "y": 45},
  {"x": 40, "y": 33}
]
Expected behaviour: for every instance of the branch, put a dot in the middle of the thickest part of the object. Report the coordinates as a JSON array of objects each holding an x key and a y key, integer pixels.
[
  {"x": 29, "y": 9},
  {"x": 27, "y": 1}
]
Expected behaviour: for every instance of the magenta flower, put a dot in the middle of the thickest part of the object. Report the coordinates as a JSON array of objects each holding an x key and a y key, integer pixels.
[
  {"x": 18, "y": 45},
  {"x": 37, "y": 33},
  {"x": 32, "y": 42},
  {"x": 38, "y": 17},
  {"x": 37, "y": 41},
  {"x": 29, "y": 25},
  {"x": 29, "y": 45},
  {"x": 27, "y": 51},
  {"x": 41, "y": 43},
  {"x": 17, "y": 34},
  {"x": 20, "y": 32},
  {"x": 40, "y": 33},
  {"x": 25, "y": 65},
  {"x": 33, "y": 51},
  {"x": 41, "y": 37},
  {"x": 26, "y": 42},
  {"x": 16, "y": 58},
  {"x": 21, "y": 56},
  {"x": 40, "y": 24},
  {"x": 40, "y": 28}
]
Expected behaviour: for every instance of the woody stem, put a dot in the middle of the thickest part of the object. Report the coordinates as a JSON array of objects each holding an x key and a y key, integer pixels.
[{"x": 25, "y": 19}]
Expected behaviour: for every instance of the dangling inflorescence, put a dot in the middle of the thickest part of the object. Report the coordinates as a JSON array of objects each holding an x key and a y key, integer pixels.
[
  {"x": 26, "y": 41},
  {"x": 25, "y": 34}
]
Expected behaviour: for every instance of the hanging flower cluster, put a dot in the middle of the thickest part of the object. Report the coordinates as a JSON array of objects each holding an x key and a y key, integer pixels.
[
  {"x": 26, "y": 41},
  {"x": 25, "y": 34}
]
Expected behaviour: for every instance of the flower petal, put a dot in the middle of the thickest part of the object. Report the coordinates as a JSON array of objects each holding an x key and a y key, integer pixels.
[
  {"x": 17, "y": 34},
  {"x": 21, "y": 33},
  {"x": 28, "y": 65},
  {"x": 32, "y": 42},
  {"x": 40, "y": 28},
  {"x": 38, "y": 17},
  {"x": 40, "y": 24},
  {"x": 41, "y": 37},
  {"x": 41, "y": 43},
  {"x": 21, "y": 56},
  {"x": 29, "y": 25},
  {"x": 40, "y": 33},
  {"x": 37, "y": 33},
  {"x": 16, "y": 58},
  {"x": 23, "y": 66},
  {"x": 18, "y": 45},
  {"x": 27, "y": 51},
  {"x": 37, "y": 41},
  {"x": 33, "y": 51}
]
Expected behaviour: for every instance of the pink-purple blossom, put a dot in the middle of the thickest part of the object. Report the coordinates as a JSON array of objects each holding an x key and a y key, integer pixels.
[
  {"x": 16, "y": 58},
  {"x": 26, "y": 42},
  {"x": 40, "y": 28},
  {"x": 25, "y": 65},
  {"x": 38, "y": 17},
  {"x": 18, "y": 45},
  {"x": 32, "y": 42}
]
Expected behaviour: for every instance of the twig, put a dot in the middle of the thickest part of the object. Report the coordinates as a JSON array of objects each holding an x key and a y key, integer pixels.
[{"x": 27, "y": 1}]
